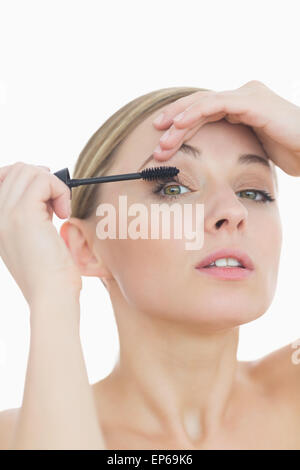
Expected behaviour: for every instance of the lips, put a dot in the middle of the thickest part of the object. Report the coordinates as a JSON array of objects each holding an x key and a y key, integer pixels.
[{"x": 241, "y": 256}]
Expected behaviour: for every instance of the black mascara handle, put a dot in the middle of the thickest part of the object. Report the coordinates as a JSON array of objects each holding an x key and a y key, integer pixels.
[
  {"x": 64, "y": 175},
  {"x": 147, "y": 174}
]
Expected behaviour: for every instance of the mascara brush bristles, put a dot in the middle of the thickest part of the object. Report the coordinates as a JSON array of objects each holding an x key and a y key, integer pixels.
[{"x": 149, "y": 174}]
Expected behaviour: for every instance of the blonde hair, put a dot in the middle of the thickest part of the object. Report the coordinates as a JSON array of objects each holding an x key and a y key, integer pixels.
[{"x": 97, "y": 156}]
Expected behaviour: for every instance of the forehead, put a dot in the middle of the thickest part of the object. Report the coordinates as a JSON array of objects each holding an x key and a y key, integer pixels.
[{"x": 219, "y": 139}]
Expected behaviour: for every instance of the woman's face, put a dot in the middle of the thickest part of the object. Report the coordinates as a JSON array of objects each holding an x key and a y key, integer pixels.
[{"x": 158, "y": 276}]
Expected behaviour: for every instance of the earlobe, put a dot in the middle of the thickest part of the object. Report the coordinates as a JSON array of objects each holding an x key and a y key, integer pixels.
[{"x": 76, "y": 239}]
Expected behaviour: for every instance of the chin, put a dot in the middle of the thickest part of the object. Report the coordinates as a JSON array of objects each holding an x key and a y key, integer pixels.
[{"x": 213, "y": 313}]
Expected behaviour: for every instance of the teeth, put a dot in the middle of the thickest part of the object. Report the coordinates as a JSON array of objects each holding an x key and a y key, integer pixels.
[{"x": 224, "y": 262}]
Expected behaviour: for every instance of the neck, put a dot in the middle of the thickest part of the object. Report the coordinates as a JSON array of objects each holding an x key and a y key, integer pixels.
[{"x": 178, "y": 378}]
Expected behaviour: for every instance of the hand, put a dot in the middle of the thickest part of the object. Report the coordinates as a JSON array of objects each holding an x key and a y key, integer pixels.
[
  {"x": 33, "y": 251},
  {"x": 274, "y": 120}
]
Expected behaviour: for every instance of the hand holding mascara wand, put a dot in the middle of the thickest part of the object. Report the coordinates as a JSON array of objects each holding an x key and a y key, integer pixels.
[
  {"x": 149, "y": 174},
  {"x": 43, "y": 266}
]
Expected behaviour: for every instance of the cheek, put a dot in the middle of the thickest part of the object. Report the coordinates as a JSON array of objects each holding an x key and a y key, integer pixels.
[
  {"x": 266, "y": 242},
  {"x": 143, "y": 261},
  {"x": 146, "y": 271}
]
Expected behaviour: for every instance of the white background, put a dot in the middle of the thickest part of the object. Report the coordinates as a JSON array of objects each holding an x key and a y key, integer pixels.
[{"x": 66, "y": 66}]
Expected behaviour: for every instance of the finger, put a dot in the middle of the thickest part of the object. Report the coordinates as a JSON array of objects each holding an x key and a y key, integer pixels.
[
  {"x": 176, "y": 136},
  {"x": 19, "y": 187},
  {"x": 171, "y": 137},
  {"x": 214, "y": 104},
  {"x": 4, "y": 170},
  {"x": 233, "y": 118},
  {"x": 14, "y": 181},
  {"x": 50, "y": 209},
  {"x": 45, "y": 187},
  {"x": 44, "y": 167},
  {"x": 164, "y": 119},
  {"x": 166, "y": 154}
]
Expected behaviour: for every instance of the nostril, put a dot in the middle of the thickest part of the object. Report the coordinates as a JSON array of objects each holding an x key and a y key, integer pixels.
[{"x": 219, "y": 223}]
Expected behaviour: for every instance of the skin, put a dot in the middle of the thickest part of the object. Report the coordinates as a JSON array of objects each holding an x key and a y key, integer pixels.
[
  {"x": 179, "y": 334},
  {"x": 178, "y": 352}
]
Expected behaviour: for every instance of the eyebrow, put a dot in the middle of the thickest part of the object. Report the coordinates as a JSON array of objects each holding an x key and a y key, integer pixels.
[{"x": 244, "y": 159}]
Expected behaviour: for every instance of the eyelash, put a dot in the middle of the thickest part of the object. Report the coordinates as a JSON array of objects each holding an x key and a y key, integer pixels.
[{"x": 267, "y": 196}]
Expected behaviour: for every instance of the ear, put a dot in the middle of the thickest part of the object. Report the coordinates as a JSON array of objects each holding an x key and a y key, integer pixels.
[{"x": 75, "y": 233}]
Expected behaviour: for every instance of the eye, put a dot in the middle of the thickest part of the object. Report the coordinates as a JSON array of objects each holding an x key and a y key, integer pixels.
[
  {"x": 172, "y": 190},
  {"x": 165, "y": 190},
  {"x": 264, "y": 195}
]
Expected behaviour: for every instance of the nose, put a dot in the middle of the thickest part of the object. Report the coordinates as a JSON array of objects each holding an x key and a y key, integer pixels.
[{"x": 224, "y": 211}]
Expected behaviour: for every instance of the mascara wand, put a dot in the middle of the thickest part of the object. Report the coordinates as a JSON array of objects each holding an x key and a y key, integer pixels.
[{"x": 149, "y": 174}]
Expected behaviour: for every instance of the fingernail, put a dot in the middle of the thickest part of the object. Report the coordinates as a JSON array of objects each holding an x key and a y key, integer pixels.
[
  {"x": 159, "y": 118},
  {"x": 158, "y": 149}
]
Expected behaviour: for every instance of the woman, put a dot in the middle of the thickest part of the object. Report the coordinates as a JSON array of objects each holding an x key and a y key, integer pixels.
[{"x": 177, "y": 384}]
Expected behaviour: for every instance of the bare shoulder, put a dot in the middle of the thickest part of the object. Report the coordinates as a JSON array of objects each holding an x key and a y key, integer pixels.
[
  {"x": 8, "y": 419},
  {"x": 279, "y": 372}
]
